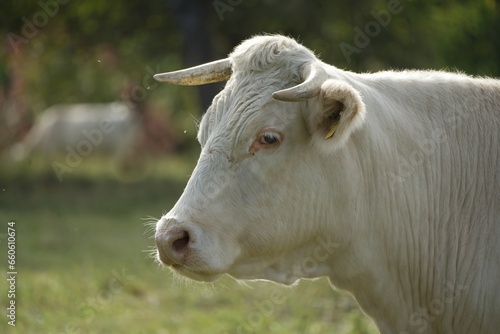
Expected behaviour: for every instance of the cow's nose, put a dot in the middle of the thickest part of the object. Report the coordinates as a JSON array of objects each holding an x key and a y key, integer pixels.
[{"x": 173, "y": 245}]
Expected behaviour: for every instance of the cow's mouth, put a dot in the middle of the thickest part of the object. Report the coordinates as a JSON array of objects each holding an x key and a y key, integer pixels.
[
  {"x": 200, "y": 276},
  {"x": 197, "y": 274}
]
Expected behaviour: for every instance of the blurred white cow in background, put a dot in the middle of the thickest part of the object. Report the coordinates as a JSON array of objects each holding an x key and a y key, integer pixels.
[{"x": 82, "y": 130}]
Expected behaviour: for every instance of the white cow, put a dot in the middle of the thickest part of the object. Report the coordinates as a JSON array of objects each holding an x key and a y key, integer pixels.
[
  {"x": 81, "y": 130},
  {"x": 387, "y": 183}
]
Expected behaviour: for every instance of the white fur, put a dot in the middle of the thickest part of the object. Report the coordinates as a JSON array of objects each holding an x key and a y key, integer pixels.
[{"x": 401, "y": 207}]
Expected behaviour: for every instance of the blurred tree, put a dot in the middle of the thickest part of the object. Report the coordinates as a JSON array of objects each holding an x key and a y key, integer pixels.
[{"x": 196, "y": 31}]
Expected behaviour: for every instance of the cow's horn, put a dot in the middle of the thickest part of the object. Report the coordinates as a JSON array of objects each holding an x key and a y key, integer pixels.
[
  {"x": 219, "y": 70},
  {"x": 313, "y": 75}
]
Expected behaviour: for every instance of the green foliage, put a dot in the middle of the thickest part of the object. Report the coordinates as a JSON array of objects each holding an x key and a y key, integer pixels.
[
  {"x": 95, "y": 51},
  {"x": 87, "y": 51},
  {"x": 424, "y": 34}
]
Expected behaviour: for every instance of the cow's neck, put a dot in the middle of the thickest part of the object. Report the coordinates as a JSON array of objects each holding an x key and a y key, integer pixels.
[
  {"x": 393, "y": 262},
  {"x": 359, "y": 262}
]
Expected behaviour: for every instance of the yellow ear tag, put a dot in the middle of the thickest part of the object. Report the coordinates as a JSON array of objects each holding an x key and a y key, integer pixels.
[{"x": 332, "y": 131}]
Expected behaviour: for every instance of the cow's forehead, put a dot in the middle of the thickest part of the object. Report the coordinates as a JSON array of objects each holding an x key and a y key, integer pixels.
[
  {"x": 260, "y": 66},
  {"x": 236, "y": 106}
]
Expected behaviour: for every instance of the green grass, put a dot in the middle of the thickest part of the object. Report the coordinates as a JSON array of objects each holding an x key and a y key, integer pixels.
[{"x": 83, "y": 266}]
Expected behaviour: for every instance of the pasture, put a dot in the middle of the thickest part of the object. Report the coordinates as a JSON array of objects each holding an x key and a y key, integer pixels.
[{"x": 83, "y": 262}]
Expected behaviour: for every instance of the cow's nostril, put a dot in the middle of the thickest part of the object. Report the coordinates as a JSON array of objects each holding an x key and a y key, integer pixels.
[
  {"x": 173, "y": 245},
  {"x": 180, "y": 244}
]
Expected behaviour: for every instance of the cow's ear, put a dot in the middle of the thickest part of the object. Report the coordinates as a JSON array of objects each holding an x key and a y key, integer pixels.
[{"x": 338, "y": 112}]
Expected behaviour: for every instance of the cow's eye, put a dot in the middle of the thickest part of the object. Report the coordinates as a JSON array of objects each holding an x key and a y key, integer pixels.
[
  {"x": 269, "y": 138},
  {"x": 266, "y": 139}
]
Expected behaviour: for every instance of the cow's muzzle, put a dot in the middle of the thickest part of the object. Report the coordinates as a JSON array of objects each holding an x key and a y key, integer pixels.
[{"x": 173, "y": 243}]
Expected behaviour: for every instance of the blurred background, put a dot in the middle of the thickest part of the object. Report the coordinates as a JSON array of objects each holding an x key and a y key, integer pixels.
[{"x": 81, "y": 194}]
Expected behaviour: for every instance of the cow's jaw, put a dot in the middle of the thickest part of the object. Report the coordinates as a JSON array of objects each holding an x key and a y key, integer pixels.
[{"x": 311, "y": 260}]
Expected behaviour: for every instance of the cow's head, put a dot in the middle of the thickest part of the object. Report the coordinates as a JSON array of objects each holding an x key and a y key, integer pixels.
[{"x": 263, "y": 194}]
